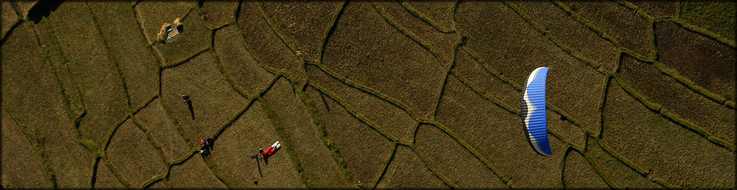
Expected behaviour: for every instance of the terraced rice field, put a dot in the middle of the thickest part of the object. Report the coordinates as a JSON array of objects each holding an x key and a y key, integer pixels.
[{"x": 367, "y": 94}]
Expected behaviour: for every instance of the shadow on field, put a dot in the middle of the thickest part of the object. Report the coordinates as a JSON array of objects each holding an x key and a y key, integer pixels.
[{"x": 43, "y": 9}]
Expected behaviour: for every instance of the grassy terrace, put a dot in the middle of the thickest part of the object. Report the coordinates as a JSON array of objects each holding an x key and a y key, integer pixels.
[{"x": 367, "y": 94}]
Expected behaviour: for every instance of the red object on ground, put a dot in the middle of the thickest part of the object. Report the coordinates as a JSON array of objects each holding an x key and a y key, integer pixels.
[{"x": 271, "y": 150}]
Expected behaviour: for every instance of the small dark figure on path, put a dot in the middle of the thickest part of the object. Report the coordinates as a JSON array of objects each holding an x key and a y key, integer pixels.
[
  {"x": 207, "y": 146},
  {"x": 188, "y": 101}
]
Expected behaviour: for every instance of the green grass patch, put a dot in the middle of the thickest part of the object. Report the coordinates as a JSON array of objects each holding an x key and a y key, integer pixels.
[
  {"x": 680, "y": 120},
  {"x": 323, "y": 135},
  {"x": 637, "y": 95},
  {"x": 673, "y": 73},
  {"x": 622, "y": 159},
  {"x": 661, "y": 181},
  {"x": 693, "y": 127},
  {"x": 717, "y": 16},
  {"x": 90, "y": 145},
  {"x": 730, "y": 104},
  {"x": 419, "y": 14}
]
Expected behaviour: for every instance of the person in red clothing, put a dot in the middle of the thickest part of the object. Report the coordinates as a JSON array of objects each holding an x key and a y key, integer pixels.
[{"x": 264, "y": 154}]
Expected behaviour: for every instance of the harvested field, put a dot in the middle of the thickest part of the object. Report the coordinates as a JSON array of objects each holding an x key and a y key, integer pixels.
[{"x": 364, "y": 94}]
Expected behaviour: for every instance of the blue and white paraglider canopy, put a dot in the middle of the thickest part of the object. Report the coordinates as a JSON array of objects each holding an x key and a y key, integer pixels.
[{"x": 533, "y": 111}]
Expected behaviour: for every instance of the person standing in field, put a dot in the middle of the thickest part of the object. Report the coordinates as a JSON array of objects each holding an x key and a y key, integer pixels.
[{"x": 206, "y": 147}]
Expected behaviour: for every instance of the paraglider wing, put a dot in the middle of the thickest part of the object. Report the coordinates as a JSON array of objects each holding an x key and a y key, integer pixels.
[{"x": 533, "y": 111}]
